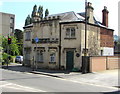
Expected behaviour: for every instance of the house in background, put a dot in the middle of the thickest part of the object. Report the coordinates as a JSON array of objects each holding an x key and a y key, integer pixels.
[
  {"x": 7, "y": 23},
  {"x": 57, "y": 41}
]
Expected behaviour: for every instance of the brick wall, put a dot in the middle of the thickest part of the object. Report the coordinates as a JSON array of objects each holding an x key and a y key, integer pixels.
[
  {"x": 101, "y": 63},
  {"x": 106, "y": 38}
]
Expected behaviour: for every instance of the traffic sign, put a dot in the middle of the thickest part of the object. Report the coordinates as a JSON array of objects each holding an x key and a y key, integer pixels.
[{"x": 36, "y": 39}]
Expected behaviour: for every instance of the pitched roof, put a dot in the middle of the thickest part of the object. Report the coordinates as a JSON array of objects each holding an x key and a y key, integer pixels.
[
  {"x": 68, "y": 16},
  {"x": 73, "y": 17}
]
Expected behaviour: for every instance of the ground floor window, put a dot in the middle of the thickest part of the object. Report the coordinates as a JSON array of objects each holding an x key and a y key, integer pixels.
[
  {"x": 40, "y": 56},
  {"x": 52, "y": 57}
]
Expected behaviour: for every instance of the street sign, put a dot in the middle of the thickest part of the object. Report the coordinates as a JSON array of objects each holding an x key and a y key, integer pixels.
[{"x": 36, "y": 39}]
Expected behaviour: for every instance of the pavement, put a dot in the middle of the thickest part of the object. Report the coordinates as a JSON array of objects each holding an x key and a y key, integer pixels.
[{"x": 106, "y": 78}]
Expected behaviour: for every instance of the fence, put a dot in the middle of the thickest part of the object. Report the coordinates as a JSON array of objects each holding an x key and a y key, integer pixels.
[{"x": 101, "y": 63}]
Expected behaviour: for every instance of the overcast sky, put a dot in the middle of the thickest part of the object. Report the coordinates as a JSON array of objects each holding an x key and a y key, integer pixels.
[{"x": 22, "y": 8}]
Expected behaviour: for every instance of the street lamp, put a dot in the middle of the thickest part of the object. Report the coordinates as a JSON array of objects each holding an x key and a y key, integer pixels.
[
  {"x": 84, "y": 59},
  {"x": 85, "y": 53}
]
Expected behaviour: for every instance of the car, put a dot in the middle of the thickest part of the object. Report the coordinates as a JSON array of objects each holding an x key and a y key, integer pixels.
[{"x": 19, "y": 59}]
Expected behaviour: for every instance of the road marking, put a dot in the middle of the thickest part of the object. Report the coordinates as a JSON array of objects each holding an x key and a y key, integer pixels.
[
  {"x": 110, "y": 87},
  {"x": 20, "y": 87}
]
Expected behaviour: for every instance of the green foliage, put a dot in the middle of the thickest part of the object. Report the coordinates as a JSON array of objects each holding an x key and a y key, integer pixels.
[
  {"x": 14, "y": 47},
  {"x": 46, "y": 12},
  {"x": 11, "y": 48},
  {"x": 19, "y": 35},
  {"x": 5, "y": 56}
]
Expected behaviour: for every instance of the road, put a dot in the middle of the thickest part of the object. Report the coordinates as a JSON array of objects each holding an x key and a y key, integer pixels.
[{"x": 15, "y": 81}]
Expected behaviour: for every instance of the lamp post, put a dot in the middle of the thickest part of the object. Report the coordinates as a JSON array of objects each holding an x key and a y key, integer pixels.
[
  {"x": 85, "y": 53},
  {"x": 84, "y": 59}
]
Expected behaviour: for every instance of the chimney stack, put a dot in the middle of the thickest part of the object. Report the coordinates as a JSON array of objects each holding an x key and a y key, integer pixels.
[
  {"x": 90, "y": 13},
  {"x": 105, "y": 16}
]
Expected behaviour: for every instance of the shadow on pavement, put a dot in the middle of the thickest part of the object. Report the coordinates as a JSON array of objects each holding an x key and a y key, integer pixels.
[{"x": 21, "y": 68}]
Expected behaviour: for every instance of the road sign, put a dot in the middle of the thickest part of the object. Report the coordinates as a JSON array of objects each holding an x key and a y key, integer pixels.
[{"x": 36, "y": 39}]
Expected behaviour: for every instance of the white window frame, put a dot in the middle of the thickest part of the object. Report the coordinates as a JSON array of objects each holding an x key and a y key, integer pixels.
[{"x": 70, "y": 32}]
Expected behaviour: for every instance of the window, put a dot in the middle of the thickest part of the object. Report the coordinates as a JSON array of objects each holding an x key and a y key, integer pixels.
[
  {"x": 28, "y": 35},
  {"x": 11, "y": 20},
  {"x": 52, "y": 57},
  {"x": 70, "y": 32},
  {"x": 40, "y": 56},
  {"x": 11, "y": 30}
]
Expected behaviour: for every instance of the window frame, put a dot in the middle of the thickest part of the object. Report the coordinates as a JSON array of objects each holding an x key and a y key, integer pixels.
[
  {"x": 28, "y": 35},
  {"x": 70, "y": 32},
  {"x": 40, "y": 57},
  {"x": 52, "y": 57}
]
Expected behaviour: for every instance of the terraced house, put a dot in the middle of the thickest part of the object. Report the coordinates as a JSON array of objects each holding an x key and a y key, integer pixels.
[{"x": 57, "y": 41}]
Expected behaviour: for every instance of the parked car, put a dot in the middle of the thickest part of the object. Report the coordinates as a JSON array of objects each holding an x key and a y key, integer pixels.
[{"x": 19, "y": 59}]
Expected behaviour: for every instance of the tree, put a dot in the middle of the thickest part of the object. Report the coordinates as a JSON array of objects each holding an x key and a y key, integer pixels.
[
  {"x": 28, "y": 20},
  {"x": 46, "y": 12},
  {"x": 19, "y": 36},
  {"x": 12, "y": 48},
  {"x": 40, "y": 12}
]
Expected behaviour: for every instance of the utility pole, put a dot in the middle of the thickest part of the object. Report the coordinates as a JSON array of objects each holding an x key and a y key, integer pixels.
[{"x": 84, "y": 59}]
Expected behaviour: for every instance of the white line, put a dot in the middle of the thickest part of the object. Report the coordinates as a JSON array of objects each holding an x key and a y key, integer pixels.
[{"x": 25, "y": 88}]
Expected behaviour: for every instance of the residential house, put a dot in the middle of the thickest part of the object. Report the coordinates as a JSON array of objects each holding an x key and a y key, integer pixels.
[{"x": 58, "y": 41}]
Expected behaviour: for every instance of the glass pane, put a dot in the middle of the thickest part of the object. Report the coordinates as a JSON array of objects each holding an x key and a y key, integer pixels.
[
  {"x": 72, "y": 32},
  {"x": 68, "y": 32}
]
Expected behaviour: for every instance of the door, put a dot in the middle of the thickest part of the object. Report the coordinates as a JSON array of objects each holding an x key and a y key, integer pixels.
[{"x": 69, "y": 60}]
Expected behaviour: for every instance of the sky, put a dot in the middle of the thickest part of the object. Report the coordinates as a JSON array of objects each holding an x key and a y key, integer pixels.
[{"x": 23, "y": 8}]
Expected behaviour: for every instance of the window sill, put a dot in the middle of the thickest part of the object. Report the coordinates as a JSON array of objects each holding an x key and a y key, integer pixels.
[
  {"x": 40, "y": 62},
  {"x": 69, "y": 38},
  {"x": 52, "y": 62},
  {"x": 27, "y": 39}
]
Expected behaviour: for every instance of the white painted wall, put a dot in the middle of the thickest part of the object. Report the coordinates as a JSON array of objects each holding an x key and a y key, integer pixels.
[{"x": 108, "y": 51}]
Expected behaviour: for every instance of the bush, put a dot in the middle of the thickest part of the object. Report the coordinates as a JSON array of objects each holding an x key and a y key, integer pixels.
[{"x": 5, "y": 58}]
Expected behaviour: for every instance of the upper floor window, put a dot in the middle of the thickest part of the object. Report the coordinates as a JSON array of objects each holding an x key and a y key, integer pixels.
[
  {"x": 11, "y": 20},
  {"x": 28, "y": 35},
  {"x": 70, "y": 32}
]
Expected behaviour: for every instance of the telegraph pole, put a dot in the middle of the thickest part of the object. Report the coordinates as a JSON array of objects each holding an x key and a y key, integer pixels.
[{"x": 84, "y": 60}]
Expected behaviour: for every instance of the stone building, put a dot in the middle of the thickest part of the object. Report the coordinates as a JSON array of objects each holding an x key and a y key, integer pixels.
[
  {"x": 57, "y": 41},
  {"x": 7, "y": 23}
]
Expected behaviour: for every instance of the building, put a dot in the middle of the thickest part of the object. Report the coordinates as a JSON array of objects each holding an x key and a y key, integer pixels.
[
  {"x": 57, "y": 41},
  {"x": 7, "y": 24}
]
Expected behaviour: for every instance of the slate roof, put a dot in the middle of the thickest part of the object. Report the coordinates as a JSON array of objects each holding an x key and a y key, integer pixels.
[
  {"x": 72, "y": 17},
  {"x": 69, "y": 16}
]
